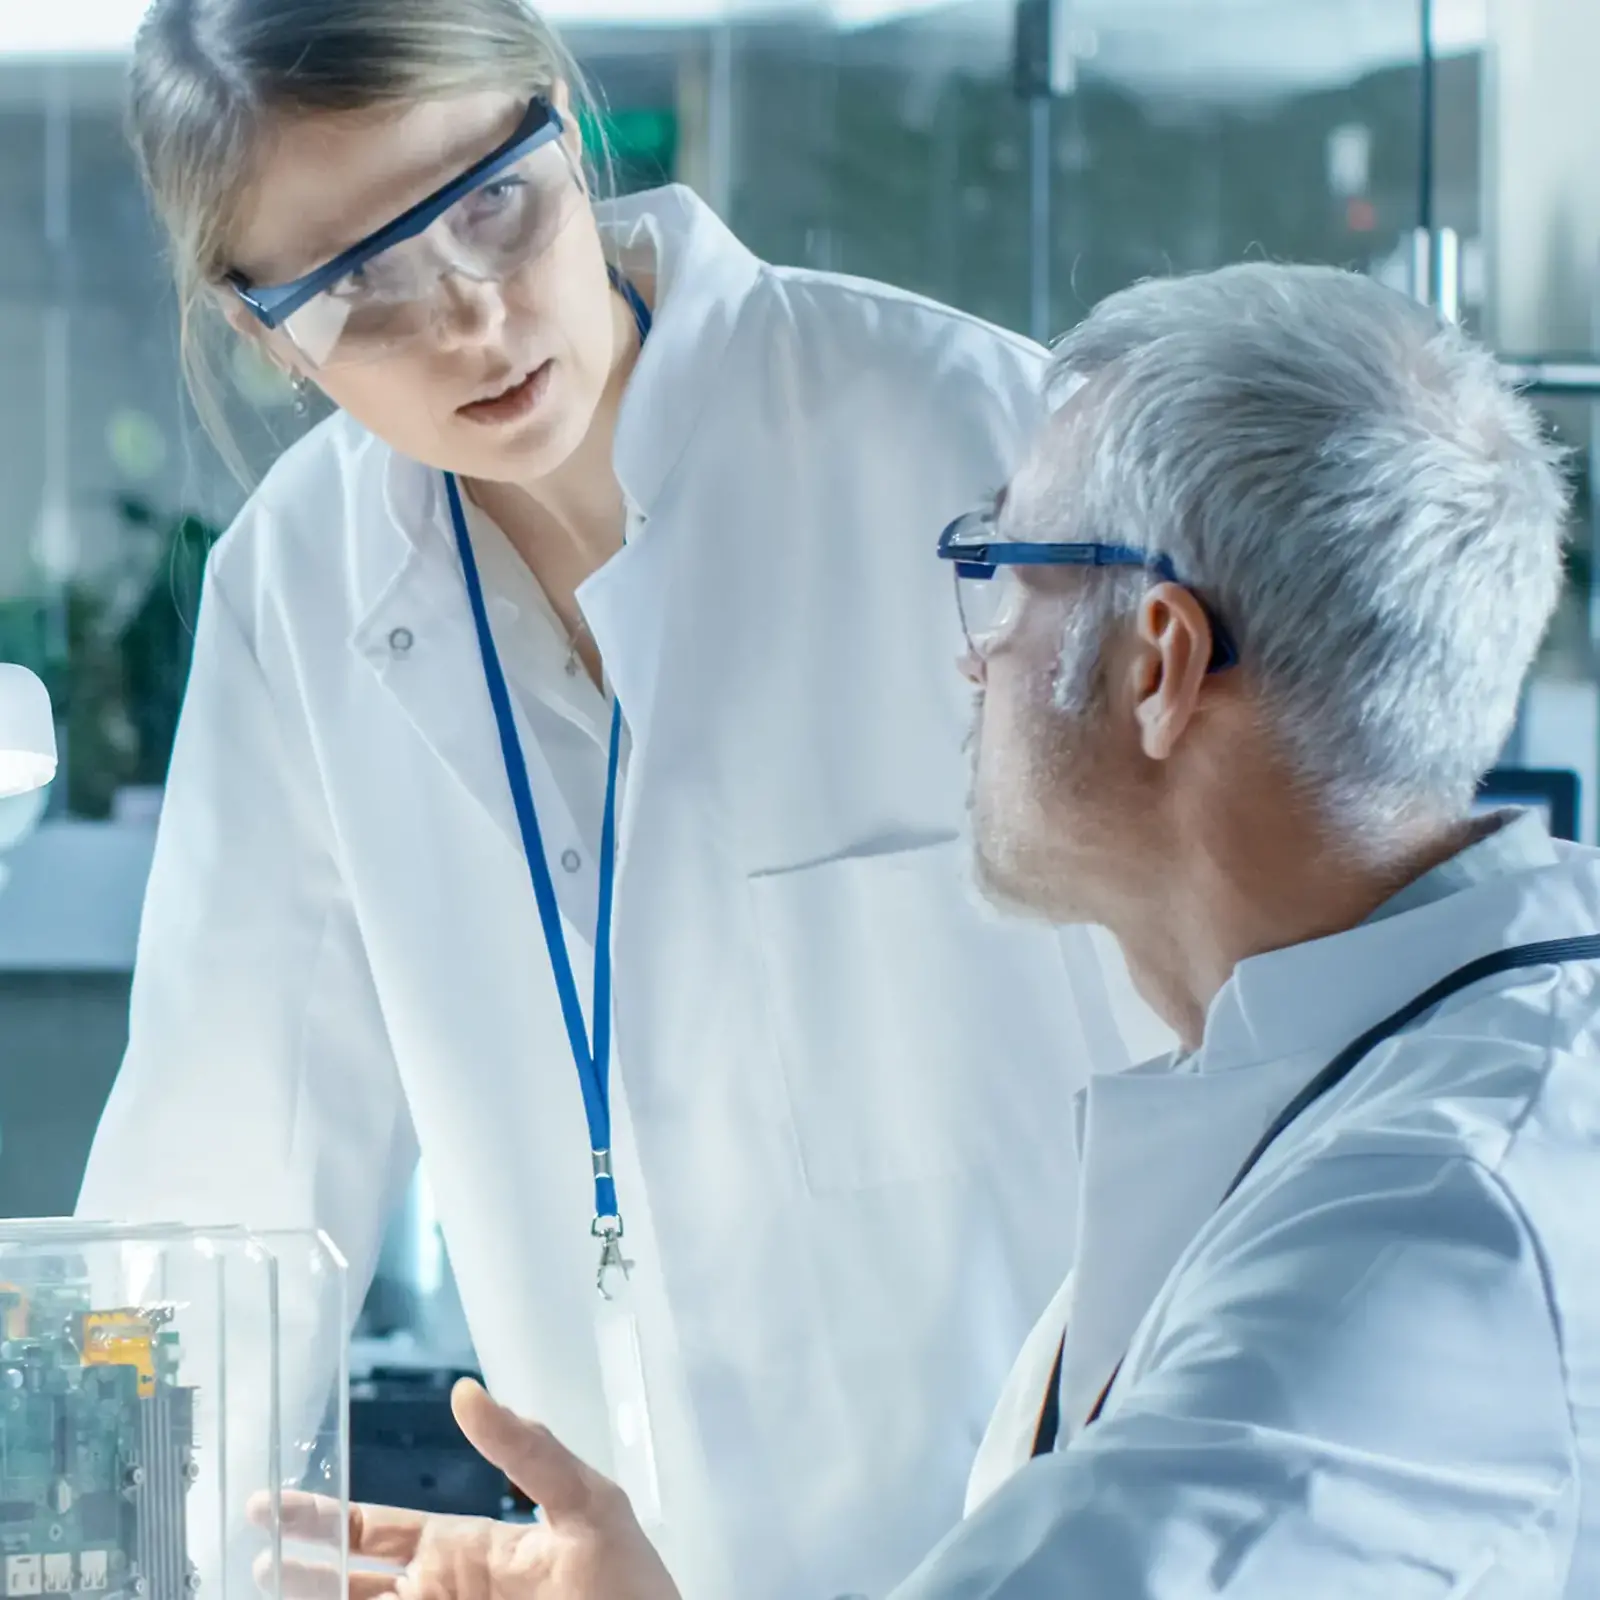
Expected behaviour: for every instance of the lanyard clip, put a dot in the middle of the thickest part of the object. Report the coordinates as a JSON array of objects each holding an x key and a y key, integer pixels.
[{"x": 608, "y": 1230}]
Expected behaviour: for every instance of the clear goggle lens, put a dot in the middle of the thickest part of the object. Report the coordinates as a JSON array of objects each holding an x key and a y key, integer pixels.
[
  {"x": 987, "y": 600},
  {"x": 988, "y": 606},
  {"x": 489, "y": 235}
]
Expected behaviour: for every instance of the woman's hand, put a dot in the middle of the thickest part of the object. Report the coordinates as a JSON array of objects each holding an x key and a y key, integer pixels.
[{"x": 588, "y": 1545}]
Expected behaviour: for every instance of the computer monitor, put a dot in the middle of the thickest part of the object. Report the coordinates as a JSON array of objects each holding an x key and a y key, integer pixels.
[{"x": 1551, "y": 790}]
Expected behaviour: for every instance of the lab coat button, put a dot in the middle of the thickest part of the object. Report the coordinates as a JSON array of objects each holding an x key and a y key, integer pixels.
[
  {"x": 571, "y": 860},
  {"x": 401, "y": 641}
]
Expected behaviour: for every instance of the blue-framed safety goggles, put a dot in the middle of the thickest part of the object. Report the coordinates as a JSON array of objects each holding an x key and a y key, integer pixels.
[
  {"x": 987, "y": 591},
  {"x": 494, "y": 219}
]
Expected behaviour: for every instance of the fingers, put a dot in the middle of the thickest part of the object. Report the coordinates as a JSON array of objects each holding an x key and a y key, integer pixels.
[
  {"x": 529, "y": 1455},
  {"x": 384, "y": 1533},
  {"x": 315, "y": 1517},
  {"x": 315, "y": 1580},
  {"x": 373, "y": 1585},
  {"x": 302, "y": 1580}
]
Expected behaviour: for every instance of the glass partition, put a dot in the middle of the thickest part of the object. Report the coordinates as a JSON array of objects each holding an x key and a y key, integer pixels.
[
  {"x": 151, "y": 1432},
  {"x": 892, "y": 141},
  {"x": 1179, "y": 137}
]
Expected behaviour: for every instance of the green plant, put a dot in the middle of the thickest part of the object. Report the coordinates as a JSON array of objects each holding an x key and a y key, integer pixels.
[{"x": 115, "y": 655}]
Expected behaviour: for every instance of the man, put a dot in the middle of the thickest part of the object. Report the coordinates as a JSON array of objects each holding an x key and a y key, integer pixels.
[{"x": 1247, "y": 630}]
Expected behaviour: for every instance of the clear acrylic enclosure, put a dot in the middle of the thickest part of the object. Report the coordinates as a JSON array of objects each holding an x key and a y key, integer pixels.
[{"x": 173, "y": 1407}]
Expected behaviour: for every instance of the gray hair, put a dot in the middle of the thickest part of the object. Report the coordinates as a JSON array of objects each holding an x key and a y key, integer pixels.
[
  {"x": 209, "y": 77},
  {"x": 1355, "y": 489}
]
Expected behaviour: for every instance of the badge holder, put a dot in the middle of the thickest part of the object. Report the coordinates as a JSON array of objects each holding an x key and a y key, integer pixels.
[{"x": 633, "y": 1453}]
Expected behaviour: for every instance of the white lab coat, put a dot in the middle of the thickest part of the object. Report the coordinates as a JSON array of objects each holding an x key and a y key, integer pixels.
[
  {"x": 1374, "y": 1372},
  {"x": 845, "y": 1220}
]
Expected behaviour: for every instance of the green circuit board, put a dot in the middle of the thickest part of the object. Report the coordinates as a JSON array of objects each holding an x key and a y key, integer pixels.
[{"x": 96, "y": 1449}]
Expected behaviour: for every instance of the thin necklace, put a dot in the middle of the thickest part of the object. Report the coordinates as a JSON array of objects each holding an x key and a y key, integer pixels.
[{"x": 576, "y": 638}]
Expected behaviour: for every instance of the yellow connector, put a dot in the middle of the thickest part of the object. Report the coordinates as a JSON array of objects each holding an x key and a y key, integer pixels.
[
  {"x": 121, "y": 1339},
  {"x": 13, "y": 1312}
]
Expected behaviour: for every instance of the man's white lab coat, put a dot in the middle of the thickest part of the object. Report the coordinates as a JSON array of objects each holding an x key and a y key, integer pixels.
[
  {"x": 1375, "y": 1371},
  {"x": 845, "y": 1214}
]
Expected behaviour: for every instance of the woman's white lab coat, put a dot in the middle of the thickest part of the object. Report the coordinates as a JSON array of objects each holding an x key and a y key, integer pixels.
[
  {"x": 843, "y": 1093},
  {"x": 1374, "y": 1371}
]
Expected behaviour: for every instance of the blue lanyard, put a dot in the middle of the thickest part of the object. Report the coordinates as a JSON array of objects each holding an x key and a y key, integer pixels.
[{"x": 592, "y": 1061}]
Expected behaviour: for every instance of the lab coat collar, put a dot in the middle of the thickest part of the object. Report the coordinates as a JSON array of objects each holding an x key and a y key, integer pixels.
[
  {"x": 702, "y": 276},
  {"x": 419, "y": 640},
  {"x": 1159, "y": 1148},
  {"x": 1322, "y": 994},
  {"x": 1160, "y": 1145}
]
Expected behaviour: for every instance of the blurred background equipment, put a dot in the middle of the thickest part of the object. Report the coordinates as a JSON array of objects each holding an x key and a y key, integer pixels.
[
  {"x": 1552, "y": 791},
  {"x": 27, "y": 733},
  {"x": 406, "y": 1450}
]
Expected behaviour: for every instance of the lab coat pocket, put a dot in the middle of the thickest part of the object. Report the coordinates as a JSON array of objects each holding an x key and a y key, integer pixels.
[{"x": 882, "y": 974}]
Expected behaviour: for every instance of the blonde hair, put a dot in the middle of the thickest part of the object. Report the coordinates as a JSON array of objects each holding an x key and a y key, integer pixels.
[{"x": 209, "y": 76}]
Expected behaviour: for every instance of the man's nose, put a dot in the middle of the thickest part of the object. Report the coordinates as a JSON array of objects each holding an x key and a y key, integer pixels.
[{"x": 970, "y": 664}]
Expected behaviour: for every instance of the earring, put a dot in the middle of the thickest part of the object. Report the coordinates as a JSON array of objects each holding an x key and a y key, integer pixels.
[{"x": 302, "y": 395}]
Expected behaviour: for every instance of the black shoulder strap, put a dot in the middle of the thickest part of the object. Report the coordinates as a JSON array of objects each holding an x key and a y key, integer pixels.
[{"x": 1548, "y": 953}]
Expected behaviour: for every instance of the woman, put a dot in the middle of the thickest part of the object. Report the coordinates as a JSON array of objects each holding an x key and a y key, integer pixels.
[{"x": 581, "y": 448}]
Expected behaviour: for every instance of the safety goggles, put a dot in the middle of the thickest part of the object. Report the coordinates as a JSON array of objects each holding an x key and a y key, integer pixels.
[
  {"x": 989, "y": 592},
  {"x": 495, "y": 219}
]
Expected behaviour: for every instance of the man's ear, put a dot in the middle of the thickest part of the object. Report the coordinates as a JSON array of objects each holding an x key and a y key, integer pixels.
[{"x": 1174, "y": 636}]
